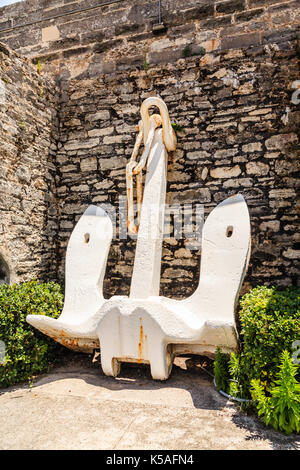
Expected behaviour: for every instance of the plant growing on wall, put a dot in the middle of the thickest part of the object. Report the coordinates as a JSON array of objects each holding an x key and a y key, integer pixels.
[
  {"x": 39, "y": 67},
  {"x": 188, "y": 52},
  {"x": 177, "y": 128}
]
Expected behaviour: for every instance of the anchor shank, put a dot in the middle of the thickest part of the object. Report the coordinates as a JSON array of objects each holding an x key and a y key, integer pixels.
[{"x": 147, "y": 264}]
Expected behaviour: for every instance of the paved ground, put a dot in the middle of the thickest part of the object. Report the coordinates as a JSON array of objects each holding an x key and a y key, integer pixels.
[{"x": 77, "y": 407}]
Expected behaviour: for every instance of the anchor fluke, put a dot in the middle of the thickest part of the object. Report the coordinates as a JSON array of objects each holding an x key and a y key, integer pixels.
[{"x": 86, "y": 259}]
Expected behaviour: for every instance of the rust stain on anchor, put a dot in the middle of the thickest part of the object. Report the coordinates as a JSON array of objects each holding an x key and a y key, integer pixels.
[
  {"x": 141, "y": 342},
  {"x": 69, "y": 342},
  {"x": 139, "y": 194}
]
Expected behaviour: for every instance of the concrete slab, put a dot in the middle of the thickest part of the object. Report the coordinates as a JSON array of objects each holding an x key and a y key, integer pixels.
[{"x": 77, "y": 407}]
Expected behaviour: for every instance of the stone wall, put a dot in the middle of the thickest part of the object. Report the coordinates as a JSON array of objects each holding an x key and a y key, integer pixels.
[
  {"x": 83, "y": 38},
  {"x": 226, "y": 70},
  {"x": 238, "y": 137},
  {"x": 28, "y": 131}
]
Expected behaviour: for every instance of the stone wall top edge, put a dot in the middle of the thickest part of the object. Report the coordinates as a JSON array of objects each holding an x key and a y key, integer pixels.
[
  {"x": 209, "y": 62},
  {"x": 10, "y": 54}
]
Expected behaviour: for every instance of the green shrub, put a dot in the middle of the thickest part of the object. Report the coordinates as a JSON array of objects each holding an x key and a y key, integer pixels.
[
  {"x": 270, "y": 323},
  {"x": 238, "y": 380},
  {"x": 221, "y": 370},
  {"x": 27, "y": 351},
  {"x": 282, "y": 409}
]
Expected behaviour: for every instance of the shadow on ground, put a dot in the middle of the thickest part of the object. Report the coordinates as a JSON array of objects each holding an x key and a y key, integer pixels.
[
  {"x": 82, "y": 408},
  {"x": 193, "y": 375}
]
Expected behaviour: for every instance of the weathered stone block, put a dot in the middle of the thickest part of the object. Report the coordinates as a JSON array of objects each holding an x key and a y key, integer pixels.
[
  {"x": 101, "y": 132},
  {"x": 257, "y": 168},
  {"x": 238, "y": 183},
  {"x": 102, "y": 115},
  {"x": 281, "y": 141},
  {"x": 272, "y": 225},
  {"x": 178, "y": 176},
  {"x": 76, "y": 144},
  {"x": 6, "y": 24},
  {"x": 198, "y": 12},
  {"x": 291, "y": 254},
  {"x": 256, "y": 3},
  {"x": 225, "y": 172},
  {"x": 183, "y": 253},
  {"x": 88, "y": 164},
  {"x": 23, "y": 174},
  {"x": 199, "y": 155},
  {"x": 50, "y": 33},
  {"x": 115, "y": 139},
  {"x": 252, "y": 147},
  {"x": 223, "y": 153},
  {"x": 282, "y": 193},
  {"x": 177, "y": 273},
  {"x": 112, "y": 163},
  {"x": 230, "y": 6},
  {"x": 200, "y": 195},
  {"x": 240, "y": 41},
  {"x": 248, "y": 15}
]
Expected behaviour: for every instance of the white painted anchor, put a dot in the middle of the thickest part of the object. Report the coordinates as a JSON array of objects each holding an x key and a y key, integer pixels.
[{"x": 145, "y": 327}]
